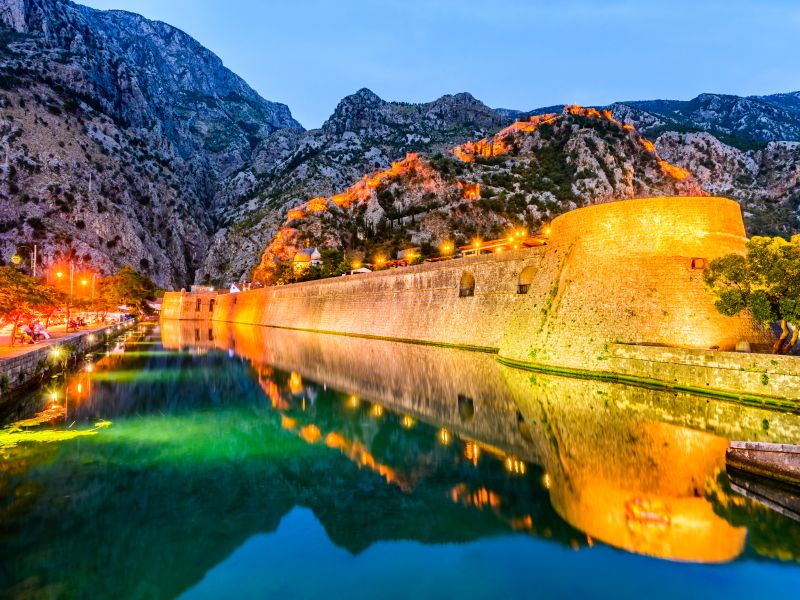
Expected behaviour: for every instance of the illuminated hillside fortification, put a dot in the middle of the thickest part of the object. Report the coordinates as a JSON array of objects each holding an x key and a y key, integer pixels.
[{"x": 617, "y": 291}]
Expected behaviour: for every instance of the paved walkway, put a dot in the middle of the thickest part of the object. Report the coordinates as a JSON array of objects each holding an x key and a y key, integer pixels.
[{"x": 58, "y": 335}]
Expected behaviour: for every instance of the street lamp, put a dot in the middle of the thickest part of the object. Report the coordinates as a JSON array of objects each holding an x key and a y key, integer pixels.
[{"x": 17, "y": 259}]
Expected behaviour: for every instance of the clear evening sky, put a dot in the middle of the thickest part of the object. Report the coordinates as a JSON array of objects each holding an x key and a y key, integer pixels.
[{"x": 510, "y": 53}]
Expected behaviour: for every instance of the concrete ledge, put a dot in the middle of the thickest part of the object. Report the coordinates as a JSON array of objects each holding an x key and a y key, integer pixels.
[
  {"x": 766, "y": 447},
  {"x": 761, "y": 401},
  {"x": 760, "y": 375},
  {"x": 765, "y": 460}
]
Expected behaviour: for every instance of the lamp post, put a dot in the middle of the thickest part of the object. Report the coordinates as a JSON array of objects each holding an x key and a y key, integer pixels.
[{"x": 17, "y": 259}]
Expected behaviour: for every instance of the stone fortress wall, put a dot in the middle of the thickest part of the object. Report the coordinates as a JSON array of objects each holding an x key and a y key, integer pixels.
[{"x": 617, "y": 292}]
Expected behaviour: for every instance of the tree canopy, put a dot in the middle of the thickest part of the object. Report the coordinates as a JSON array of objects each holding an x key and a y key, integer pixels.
[
  {"x": 21, "y": 296},
  {"x": 766, "y": 281},
  {"x": 128, "y": 287}
]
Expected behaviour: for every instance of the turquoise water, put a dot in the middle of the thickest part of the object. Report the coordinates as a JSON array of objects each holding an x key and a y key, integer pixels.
[{"x": 215, "y": 462}]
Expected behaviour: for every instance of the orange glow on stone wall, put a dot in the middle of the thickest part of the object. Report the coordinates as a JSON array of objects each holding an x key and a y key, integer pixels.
[
  {"x": 316, "y": 205},
  {"x": 500, "y": 142},
  {"x": 592, "y": 113},
  {"x": 470, "y": 191},
  {"x": 673, "y": 171}
]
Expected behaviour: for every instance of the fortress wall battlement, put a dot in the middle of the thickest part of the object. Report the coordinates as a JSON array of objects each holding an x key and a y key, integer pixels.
[{"x": 627, "y": 272}]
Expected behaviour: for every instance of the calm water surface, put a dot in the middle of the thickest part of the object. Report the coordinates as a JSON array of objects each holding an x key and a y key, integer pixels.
[{"x": 220, "y": 461}]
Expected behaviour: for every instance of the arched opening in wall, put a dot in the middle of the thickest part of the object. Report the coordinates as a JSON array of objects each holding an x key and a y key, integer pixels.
[
  {"x": 525, "y": 280},
  {"x": 467, "y": 285},
  {"x": 466, "y": 408},
  {"x": 211, "y": 306}
]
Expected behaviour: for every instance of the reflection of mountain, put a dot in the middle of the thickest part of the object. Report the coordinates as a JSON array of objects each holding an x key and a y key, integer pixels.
[
  {"x": 629, "y": 466},
  {"x": 382, "y": 441},
  {"x": 195, "y": 464}
]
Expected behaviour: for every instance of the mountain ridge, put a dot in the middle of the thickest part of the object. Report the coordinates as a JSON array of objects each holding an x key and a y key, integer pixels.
[{"x": 123, "y": 140}]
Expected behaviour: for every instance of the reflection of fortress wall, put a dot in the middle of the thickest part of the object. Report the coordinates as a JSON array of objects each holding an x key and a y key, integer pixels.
[
  {"x": 614, "y": 281},
  {"x": 623, "y": 478},
  {"x": 629, "y": 466},
  {"x": 422, "y": 381}
]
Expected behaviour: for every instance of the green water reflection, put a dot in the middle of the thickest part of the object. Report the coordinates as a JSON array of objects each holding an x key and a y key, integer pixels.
[{"x": 179, "y": 467}]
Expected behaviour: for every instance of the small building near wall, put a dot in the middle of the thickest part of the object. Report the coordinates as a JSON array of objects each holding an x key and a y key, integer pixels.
[{"x": 305, "y": 259}]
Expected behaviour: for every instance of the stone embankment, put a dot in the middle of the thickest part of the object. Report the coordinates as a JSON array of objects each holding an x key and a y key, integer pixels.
[
  {"x": 35, "y": 364},
  {"x": 616, "y": 293}
]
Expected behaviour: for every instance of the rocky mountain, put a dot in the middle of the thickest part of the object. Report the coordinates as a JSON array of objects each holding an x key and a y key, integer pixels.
[
  {"x": 766, "y": 182},
  {"x": 123, "y": 140},
  {"x": 522, "y": 176},
  {"x": 115, "y": 134},
  {"x": 364, "y": 133},
  {"x": 731, "y": 118}
]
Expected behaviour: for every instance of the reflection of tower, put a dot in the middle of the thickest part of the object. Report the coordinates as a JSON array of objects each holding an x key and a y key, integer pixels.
[{"x": 631, "y": 482}]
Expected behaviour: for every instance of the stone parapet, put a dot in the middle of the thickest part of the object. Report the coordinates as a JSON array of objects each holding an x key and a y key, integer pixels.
[{"x": 627, "y": 274}]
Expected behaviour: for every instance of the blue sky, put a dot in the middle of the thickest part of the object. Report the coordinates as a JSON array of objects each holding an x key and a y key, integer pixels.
[{"x": 508, "y": 53}]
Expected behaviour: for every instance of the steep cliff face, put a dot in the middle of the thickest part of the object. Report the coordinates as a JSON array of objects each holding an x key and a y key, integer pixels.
[{"x": 115, "y": 133}]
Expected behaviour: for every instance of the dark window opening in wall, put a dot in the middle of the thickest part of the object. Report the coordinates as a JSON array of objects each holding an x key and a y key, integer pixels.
[
  {"x": 467, "y": 285},
  {"x": 197, "y": 306},
  {"x": 197, "y": 335},
  {"x": 210, "y": 334},
  {"x": 211, "y": 306},
  {"x": 699, "y": 263},
  {"x": 525, "y": 280},
  {"x": 466, "y": 408}
]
